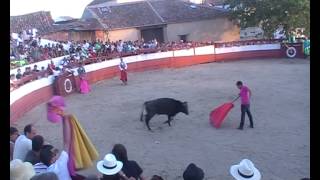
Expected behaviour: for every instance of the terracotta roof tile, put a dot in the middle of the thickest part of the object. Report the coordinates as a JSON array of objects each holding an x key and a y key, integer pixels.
[{"x": 41, "y": 20}]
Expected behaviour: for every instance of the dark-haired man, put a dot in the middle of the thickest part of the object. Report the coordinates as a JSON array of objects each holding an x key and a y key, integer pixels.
[
  {"x": 23, "y": 143},
  {"x": 14, "y": 133},
  {"x": 245, "y": 95},
  {"x": 33, "y": 156}
]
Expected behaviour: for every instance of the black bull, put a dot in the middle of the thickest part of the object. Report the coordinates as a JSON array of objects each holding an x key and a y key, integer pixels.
[{"x": 167, "y": 106}]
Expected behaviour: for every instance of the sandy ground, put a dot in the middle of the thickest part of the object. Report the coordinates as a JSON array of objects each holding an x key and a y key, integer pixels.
[{"x": 279, "y": 145}]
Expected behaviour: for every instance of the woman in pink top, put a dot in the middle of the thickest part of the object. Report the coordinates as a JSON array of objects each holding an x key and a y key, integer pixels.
[{"x": 245, "y": 94}]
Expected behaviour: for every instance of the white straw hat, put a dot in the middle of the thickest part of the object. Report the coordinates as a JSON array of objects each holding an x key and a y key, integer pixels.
[
  {"x": 109, "y": 165},
  {"x": 245, "y": 170}
]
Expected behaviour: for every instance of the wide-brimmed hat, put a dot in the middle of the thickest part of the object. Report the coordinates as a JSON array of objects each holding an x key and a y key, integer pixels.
[
  {"x": 109, "y": 165},
  {"x": 193, "y": 173},
  {"x": 21, "y": 170},
  {"x": 55, "y": 102},
  {"x": 245, "y": 170}
]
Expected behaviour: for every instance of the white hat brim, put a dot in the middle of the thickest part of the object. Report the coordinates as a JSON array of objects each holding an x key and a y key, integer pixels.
[
  {"x": 235, "y": 174},
  {"x": 109, "y": 171}
]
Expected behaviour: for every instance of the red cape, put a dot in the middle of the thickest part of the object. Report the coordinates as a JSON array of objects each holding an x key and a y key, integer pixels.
[{"x": 217, "y": 115}]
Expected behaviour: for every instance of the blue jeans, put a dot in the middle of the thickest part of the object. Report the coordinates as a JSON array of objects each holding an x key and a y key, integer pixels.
[{"x": 245, "y": 108}]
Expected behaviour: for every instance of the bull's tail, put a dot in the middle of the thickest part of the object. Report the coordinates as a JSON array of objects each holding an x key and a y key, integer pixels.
[{"x": 143, "y": 112}]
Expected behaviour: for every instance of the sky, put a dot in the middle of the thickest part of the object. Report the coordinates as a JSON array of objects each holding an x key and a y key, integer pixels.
[{"x": 73, "y": 8}]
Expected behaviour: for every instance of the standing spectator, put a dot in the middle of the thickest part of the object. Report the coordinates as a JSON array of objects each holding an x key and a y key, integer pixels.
[
  {"x": 123, "y": 69},
  {"x": 19, "y": 74},
  {"x": 23, "y": 143},
  {"x": 130, "y": 168},
  {"x": 33, "y": 156},
  {"x": 245, "y": 94},
  {"x": 193, "y": 173},
  {"x": 245, "y": 170}
]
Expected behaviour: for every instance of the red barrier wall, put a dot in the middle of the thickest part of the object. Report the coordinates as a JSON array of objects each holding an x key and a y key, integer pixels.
[{"x": 39, "y": 96}]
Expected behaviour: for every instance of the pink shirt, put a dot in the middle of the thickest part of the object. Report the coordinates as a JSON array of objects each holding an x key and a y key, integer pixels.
[{"x": 245, "y": 95}]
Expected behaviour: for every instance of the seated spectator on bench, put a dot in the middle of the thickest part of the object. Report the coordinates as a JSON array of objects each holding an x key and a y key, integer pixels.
[
  {"x": 14, "y": 133},
  {"x": 21, "y": 170},
  {"x": 13, "y": 82},
  {"x": 51, "y": 161},
  {"x": 33, "y": 156},
  {"x": 110, "y": 167},
  {"x": 245, "y": 170},
  {"x": 27, "y": 71},
  {"x": 35, "y": 68},
  {"x": 19, "y": 74},
  {"x": 23, "y": 143},
  {"x": 130, "y": 168}
]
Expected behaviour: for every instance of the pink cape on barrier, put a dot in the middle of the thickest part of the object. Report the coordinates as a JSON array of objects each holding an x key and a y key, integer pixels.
[{"x": 218, "y": 114}]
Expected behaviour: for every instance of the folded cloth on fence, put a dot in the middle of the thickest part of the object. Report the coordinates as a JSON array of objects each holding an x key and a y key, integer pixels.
[{"x": 82, "y": 152}]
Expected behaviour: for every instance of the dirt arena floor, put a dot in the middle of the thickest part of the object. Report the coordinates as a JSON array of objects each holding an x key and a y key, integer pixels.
[{"x": 279, "y": 145}]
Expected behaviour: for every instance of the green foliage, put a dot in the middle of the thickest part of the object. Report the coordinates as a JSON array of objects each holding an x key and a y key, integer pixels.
[{"x": 269, "y": 14}]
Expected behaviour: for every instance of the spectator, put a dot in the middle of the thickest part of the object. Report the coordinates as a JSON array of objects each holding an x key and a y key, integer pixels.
[
  {"x": 27, "y": 71},
  {"x": 43, "y": 156},
  {"x": 30, "y": 131},
  {"x": 35, "y": 68},
  {"x": 23, "y": 143},
  {"x": 130, "y": 168},
  {"x": 19, "y": 74},
  {"x": 245, "y": 170},
  {"x": 33, "y": 156},
  {"x": 45, "y": 176},
  {"x": 13, "y": 82},
  {"x": 156, "y": 177},
  {"x": 51, "y": 162},
  {"x": 193, "y": 173},
  {"x": 110, "y": 167},
  {"x": 20, "y": 170},
  {"x": 14, "y": 133}
]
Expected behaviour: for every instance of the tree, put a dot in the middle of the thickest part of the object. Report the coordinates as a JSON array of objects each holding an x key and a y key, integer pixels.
[{"x": 270, "y": 14}]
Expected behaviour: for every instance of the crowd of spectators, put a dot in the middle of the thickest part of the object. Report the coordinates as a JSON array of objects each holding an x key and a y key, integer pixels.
[
  {"x": 26, "y": 49},
  {"x": 32, "y": 158}
]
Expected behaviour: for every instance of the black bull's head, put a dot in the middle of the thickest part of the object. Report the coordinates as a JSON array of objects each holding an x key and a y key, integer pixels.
[{"x": 185, "y": 108}]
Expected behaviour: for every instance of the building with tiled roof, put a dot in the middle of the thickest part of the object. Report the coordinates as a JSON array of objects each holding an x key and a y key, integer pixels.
[
  {"x": 42, "y": 21},
  {"x": 165, "y": 20}
]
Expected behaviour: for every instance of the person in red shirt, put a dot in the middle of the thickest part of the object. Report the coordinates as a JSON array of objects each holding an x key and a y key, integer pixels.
[{"x": 245, "y": 95}]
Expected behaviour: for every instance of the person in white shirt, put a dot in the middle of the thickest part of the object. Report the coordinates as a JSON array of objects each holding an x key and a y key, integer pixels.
[
  {"x": 123, "y": 68},
  {"x": 23, "y": 143},
  {"x": 50, "y": 161}
]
